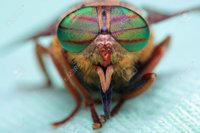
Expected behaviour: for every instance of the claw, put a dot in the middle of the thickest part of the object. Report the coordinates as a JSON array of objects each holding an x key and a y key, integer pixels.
[{"x": 96, "y": 125}]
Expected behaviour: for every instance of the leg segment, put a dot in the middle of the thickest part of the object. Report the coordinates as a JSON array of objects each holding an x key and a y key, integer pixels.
[
  {"x": 155, "y": 58},
  {"x": 83, "y": 90},
  {"x": 96, "y": 121},
  {"x": 117, "y": 107},
  {"x": 142, "y": 85},
  {"x": 146, "y": 82},
  {"x": 40, "y": 52},
  {"x": 70, "y": 88},
  {"x": 142, "y": 80}
]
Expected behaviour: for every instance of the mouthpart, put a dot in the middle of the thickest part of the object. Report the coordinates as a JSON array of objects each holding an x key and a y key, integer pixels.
[{"x": 105, "y": 77}]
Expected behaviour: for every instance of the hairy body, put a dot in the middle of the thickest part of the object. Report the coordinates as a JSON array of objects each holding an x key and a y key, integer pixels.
[{"x": 84, "y": 64}]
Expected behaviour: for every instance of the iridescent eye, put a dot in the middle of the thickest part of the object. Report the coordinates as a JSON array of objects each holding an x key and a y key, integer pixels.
[
  {"x": 78, "y": 29},
  {"x": 129, "y": 29}
]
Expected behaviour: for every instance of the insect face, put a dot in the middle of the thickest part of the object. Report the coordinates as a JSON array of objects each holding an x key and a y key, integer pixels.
[
  {"x": 104, "y": 36},
  {"x": 104, "y": 40}
]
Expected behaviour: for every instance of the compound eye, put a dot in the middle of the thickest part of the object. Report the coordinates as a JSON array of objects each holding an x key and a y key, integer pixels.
[
  {"x": 78, "y": 29},
  {"x": 129, "y": 29}
]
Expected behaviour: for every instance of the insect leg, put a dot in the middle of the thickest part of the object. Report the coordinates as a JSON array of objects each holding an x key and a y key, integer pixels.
[
  {"x": 96, "y": 121},
  {"x": 141, "y": 86},
  {"x": 40, "y": 52},
  {"x": 146, "y": 80},
  {"x": 154, "y": 59},
  {"x": 117, "y": 107},
  {"x": 70, "y": 88},
  {"x": 83, "y": 90}
]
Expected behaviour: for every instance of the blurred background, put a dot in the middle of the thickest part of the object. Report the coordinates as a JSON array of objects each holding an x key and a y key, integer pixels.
[{"x": 172, "y": 105}]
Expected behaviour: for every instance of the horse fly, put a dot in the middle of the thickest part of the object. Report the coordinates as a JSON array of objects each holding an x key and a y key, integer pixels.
[{"x": 107, "y": 48}]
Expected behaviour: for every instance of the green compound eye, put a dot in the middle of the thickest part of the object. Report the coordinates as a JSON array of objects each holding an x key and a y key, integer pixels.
[
  {"x": 129, "y": 29},
  {"x": 77, "y": 30}
]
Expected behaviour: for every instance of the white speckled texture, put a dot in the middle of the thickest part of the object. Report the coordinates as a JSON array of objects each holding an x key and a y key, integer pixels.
[{"x": 172, "y": 105}]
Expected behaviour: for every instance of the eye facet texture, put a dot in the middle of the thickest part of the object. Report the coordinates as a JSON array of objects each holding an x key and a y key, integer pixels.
[
  {"x": 77, "y": 30},
  {"x": 129, "y": 29}
]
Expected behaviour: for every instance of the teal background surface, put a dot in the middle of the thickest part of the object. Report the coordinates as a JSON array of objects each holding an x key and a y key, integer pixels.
[{"x": 172, "y": 105}]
